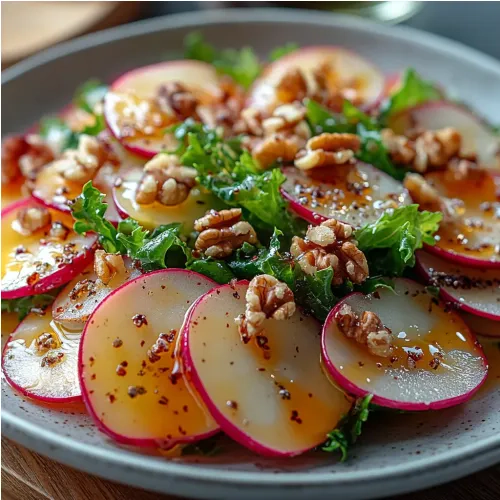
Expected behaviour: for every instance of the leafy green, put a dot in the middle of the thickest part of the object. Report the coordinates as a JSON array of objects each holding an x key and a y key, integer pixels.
[
  {"x": 206, "y": 447},
  {"x": 390, "y": 242},
  {"x": 55, "y": 131},
  {"x": 279, "y": 52},
  {"x": 373, "y": 283},
  {"x": 217, "y": 270},
  {"x": 349, "y": 429},
  {"x": 413, "y": 90},
  {"x": 88, "y": 95},
  {"x": 242, "y": 65},
  {"x": 24, "y": 305}
]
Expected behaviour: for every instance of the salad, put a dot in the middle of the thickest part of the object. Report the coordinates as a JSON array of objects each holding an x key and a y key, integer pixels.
[{"x": 270, "y": 249}]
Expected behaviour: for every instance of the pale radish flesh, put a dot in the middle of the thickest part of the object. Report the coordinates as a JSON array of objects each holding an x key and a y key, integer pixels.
[
  {"x": 481, "y": 325},
  {"x": 472, "y": 238},
  {"x": 36, "y": 263},
  {"x": 40, "y": 360},
  {"x": 276, "y": 402},
  {"x": 155, "y": 214},
  {"x": 357, "y": 194},
  {"x": 10, "y": 320},
  {"x": 477, "y": 136},
  {"x": 475, "y": 290},
  {"x": 346, "y": 74},
  {"x": 129, "y": 386},
  {"x": 135, "y": 116},
  {"x": 435, "y": 361},
  {"x": 79, "y": 298}
]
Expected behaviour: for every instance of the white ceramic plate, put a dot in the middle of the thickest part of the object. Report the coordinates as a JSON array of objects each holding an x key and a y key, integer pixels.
[{"x": 397, "y": 452}]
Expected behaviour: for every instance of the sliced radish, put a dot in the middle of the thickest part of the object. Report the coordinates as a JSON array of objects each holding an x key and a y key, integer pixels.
[
  {"x": 477, "y": 136},
  {"x": 127, "y": 362},
  {"x": 448, "y": 363},
  {"x": 10, "y": 321},
  {"x": 36, "y": 263},
  {"x": 276, "y": 402},
  {"x": 40, "y": 360},
  {"x": 476, "y": 291},
  {"x": 79, "y": 298},
  {"x": 357, "y": 194},
  {"x": 473, "y": 240},
  {"x": 481, "y": 325},
  {"x": 156, "y": 214},
  {"x": 392, "y": 84},
  {"x": 134, "y": 116},
  {"x": 350, "y": 72}
]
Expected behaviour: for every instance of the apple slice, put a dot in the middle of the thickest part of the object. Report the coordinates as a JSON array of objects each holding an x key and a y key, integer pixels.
[
  {"x": 156, "y": 214},
  {"x": 133, "y": 114},
  {"x": 357, "y": 194},
  {"x": 435, "y": 362},
  {"x": 477, "y": 136},
  {"x": 276, "y": 402},
  {"x": 40, "y": 360},
  {"x": 474, "y": 239},
  {"x": 127, "y": 362},
  {"x": 482, "y": 325},
  {"x": 79, "y": 298},
  {"x": 36, "y": 263},
  {"x": 474, "y": 290},
  {"x": 349, "y": 72}
]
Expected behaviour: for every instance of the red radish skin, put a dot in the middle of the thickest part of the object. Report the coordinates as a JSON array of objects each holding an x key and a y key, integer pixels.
[
  {"x": 331, "y": 337},
  {"x": 22, "y": 365},
  {"x": 14, "y": 285},
  {"x": 152, "y": 423},
  {"x": 369, "y": 81},
  {"x": 324, "y": 195},
  {"x": 325, "y": 401},
  {"x": 482, "y": 298}
]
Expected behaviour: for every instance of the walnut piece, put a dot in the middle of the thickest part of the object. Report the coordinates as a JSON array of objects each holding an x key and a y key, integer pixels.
[
  {"x": 175, "y": 98},
  {"x": 80, "y": 165},
  {"x": 331, "y": 244},
  {"x": 108, "y": 265},
  {"x": 266, "y": 298},
  {"x": 222, "y": 232},
  {"x": 366, "y": 330},
  {"x": 32, "y": 219},
  {"x": 58, "y": 231},
  {"x": 166, "y": 181},
  {"x": 276, "y": 148},
  {"x": 328, "y": 149},
  {"x": 292, "y": 86}
]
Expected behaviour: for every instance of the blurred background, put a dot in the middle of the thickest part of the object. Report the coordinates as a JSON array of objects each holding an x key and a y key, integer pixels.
[{"x": 28, "y": 27}]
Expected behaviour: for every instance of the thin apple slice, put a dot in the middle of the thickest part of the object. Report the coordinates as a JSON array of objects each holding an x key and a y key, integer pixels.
[
  {"x": 482, "y": 326},
  {"x": 349, "y": 72},
  {"x": 474, "y": 239},
  {"x": 435, "y": 362},
  {"x": 36, "y": 263},
  {"x": 127, "y": 362},
  {"x": 79, "y": 298},
  {"x": 357, "y": 194},
  {"x": 474, "y": 290},
  {"x": 133, "y": 114},
  {"x": 477, "y": 136},
  {"x": 276, "y": 402},
  {"x": 156, "y": 214},
  {"x": 40, "y": 360}
]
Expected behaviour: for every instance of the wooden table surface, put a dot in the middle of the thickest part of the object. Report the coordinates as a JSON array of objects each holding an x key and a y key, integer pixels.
[{"x": 29, "y": 476}]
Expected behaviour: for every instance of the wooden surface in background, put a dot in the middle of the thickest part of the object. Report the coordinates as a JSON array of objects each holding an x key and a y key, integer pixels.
[{"x": 29, "y": 476}]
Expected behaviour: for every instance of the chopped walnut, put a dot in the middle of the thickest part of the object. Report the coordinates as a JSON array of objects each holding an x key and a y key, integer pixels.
[
  {"x": 328, "y": 149},
  {"x": 24, "y": 155},
  {"x": 266, "y": 298},
  {"x": 276, "y": 148},
  {"x": 107, "y": 265},
  {"x": 331, "y": 244},
  {"x": 58, "y": 231},
  {"x": 222, "y": 232},
  {"x": 32, "y": 219},
  {"x": 292, "y": 86},
  {"x": 45, "y": 342},
  {"x": 366, "y": 330},
  {"x": 80, "y": 165},
  {"x": 175, "y": 98},
  {"x": 166, "y": 181}
]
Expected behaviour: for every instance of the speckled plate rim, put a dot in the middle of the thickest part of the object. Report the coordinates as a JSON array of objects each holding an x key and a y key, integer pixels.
[{"x": 188, "y": 479}]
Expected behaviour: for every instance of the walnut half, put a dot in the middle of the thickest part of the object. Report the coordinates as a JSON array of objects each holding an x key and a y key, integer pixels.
[
  {"x": 107, "y": 265},
  {"x": 266, "y": 298},
  {"x": 367, "y": 330},
  {"x": 331, "y": 244}
]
